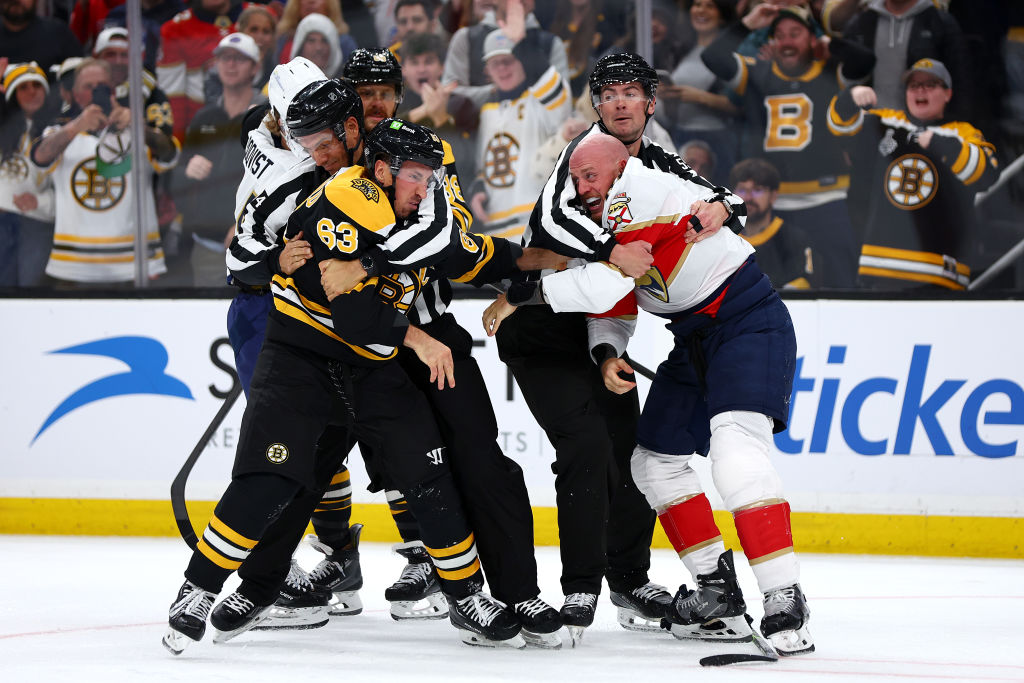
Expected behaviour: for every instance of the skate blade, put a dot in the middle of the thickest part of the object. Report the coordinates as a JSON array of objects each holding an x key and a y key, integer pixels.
[
  {"x": 791, "y": 643},
  {"x": 631, "y": 621},
  {"x": 575, "y": 635},
  {"x": 724, "y": 629},
  {"x": 175, "y": 641},
  {"x": 345, "y": 604},
  {"x": 434, "y": 606},
  {"x": 220, "y": 637},
  {"x": 546, "y": 641},
  {"x": 516, "y": 642},
  {"x": 298, "y": 618}
]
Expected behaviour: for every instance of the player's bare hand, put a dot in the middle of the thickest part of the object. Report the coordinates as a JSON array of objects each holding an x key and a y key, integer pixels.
[
  {"x": 495, "y": 313},
  {"x": 433, "y": 354},
  {"x": 610, "y": 370},
  {"x": 711, "y": 217},
  {"x": 338, "y": 277},
  {"x": 633, "y": 259},
  {"x": 535, "y": 258},
  {"x": 198, "y": 167},
  {"x": 863, "y": 96},
  {"x": 295, "y": 253},
  {"x": 26, "y": 201}
]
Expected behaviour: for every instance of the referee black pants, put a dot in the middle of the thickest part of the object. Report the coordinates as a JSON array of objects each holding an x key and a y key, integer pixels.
[
  {"x": 605, "y": 524},
  {"x": 490, "y": 484}
]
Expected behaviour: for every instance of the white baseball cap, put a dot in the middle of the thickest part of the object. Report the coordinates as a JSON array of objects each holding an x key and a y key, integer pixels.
[
  {"x": 497, "y": 43},
  {"x": 239, "y": 42},
  {"x": 114, "y": 36}
]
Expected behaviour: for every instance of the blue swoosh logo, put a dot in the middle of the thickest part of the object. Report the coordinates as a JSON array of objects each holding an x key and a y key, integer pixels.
[{"x": 146, "y": 359}]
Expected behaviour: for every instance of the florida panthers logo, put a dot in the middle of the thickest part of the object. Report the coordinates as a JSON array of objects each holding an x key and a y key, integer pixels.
[
  {"x": 618, "y": 212},
  {"x": 499, "y": 160},
  {"x": 910, "y": 182},
  {"x": 93, "y": 191},
  {"x": 653, "y": 283}
]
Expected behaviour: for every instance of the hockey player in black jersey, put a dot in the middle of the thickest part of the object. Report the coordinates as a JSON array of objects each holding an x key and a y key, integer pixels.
[
  {"x": 491, "y": 485},
  {"x": 605, "y": 523},
  {"x": 328, "y": 366}
]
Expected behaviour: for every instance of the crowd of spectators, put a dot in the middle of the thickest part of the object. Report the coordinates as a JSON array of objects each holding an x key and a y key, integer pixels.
[{"x": 794, "y": 104}]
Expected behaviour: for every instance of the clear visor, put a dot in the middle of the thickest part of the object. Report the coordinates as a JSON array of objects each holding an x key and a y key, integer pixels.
[
  {"x": 421, "y": 174},
  {"x": 608, "y": 97}
]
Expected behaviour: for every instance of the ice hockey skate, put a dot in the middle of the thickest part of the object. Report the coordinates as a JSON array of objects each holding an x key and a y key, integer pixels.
[
  {"x": 483, "y": 621},
  {"x": 542, "y": 625},
  {"x": 187, "y": 617},
  {"x": 300, "y": 605},
  {"x": 416, "y": 594},
  {"x": 785, "y": 621},
  {"x": 234, "y": 615},
  {"x": 714, "y": 610},
  {"x": 643, "y": 608},
  {"x": 577, "y": 614},
  {"x": 339, "y": 572}
]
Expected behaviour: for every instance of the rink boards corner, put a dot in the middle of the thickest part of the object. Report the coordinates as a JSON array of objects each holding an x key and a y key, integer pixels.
[{"x": 906, "y": 431}]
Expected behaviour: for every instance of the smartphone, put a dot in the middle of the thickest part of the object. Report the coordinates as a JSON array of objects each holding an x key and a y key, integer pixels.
[{"x": 101, "y": 96}]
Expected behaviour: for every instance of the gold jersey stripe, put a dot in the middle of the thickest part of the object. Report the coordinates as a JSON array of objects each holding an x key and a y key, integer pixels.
[
  {"x": 457, "y": 574},
  {"x": 215, "y": 557},
  {"x": 230, "y": 534},
  {"x": 460, "y": 547}
]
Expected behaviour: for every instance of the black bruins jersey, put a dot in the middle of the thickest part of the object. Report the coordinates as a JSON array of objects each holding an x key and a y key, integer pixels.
[
  {"x": 343, "y": 218},
  {"x": 915, "y": 208}
]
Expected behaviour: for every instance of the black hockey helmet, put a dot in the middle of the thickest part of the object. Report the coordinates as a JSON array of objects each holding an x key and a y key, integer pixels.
[
  {"x": 323, "y": 105},
  {"x": 623, "y": 67},
  {"x": 374, "y": 65},
  {"x": 399, "y": 141},
  {"x": 326, "y": 105}
]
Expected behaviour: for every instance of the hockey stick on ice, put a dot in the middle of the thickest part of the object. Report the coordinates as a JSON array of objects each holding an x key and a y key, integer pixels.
[
  {"x": 768, "y": 654},
  {"x": 178, "y": 485}
]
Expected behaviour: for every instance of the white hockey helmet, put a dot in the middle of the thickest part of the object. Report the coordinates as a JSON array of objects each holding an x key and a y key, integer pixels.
[{"x": 286, "y": 80}]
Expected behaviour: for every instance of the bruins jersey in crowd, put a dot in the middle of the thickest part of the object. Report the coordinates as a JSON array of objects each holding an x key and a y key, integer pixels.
[
  {"x": 785, "y": 255},
  {"x": 915, "y": 205},
  {"x": 791, "y": 112},
  {"x": 343, "y": 218}
]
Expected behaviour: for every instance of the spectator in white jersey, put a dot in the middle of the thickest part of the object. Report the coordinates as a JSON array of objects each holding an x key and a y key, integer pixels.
[{"x": 88, "y": 153}]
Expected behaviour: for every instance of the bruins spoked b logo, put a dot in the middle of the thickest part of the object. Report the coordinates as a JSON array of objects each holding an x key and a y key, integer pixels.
[
  {"x": 93, "y": 191},
  {"x": 277, "y": 453},
  {"x": 499, "y": 159},
  {"x": 911, "y": 181}
]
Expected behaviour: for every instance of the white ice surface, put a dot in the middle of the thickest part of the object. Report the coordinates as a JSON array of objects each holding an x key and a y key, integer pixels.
[{"x": 94, "y": 609}]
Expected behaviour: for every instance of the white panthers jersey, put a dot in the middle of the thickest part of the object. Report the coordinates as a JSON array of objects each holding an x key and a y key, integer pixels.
[
  {"x": 94, "y": 231},
  {"x": 653, "y": 206},
  {"x": 510, "y": 133},
  {"x": 262, "y": 163}
]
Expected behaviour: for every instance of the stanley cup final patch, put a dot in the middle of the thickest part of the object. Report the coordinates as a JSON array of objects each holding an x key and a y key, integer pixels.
[{"x": 277, "y": 453}]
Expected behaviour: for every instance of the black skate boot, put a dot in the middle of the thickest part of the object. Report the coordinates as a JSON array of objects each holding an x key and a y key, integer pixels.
[
  {"x": 340, "y": 573},
  {"x": 482, "y": 620},
  {"x": 187, "y": 617},
  {"x": 714, "y": 610},
  {"x": 417, "y": 593},
  {"x": 301, "y": 605},
  {"x": 541, "y": 623},
  {"x": 785, "y": 621},
  {"x": 642, "y": 608},
  {"x": 577, "y": 614},
  {"x": 234, "y": 615}
]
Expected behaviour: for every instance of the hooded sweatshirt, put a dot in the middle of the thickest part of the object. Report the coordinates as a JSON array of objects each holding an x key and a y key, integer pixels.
[
  {"x": 318, "y": 23},
  {"x": 891, "y": 38}
]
